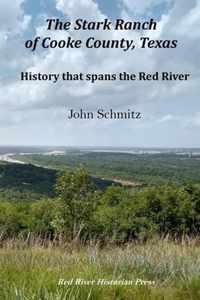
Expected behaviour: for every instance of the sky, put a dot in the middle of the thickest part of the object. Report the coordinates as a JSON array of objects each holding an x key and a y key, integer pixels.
[{"x": 34, "y": 113}]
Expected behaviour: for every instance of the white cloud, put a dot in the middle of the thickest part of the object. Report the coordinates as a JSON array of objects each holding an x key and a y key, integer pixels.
[
  {"x": 165, "y": 119},
  {"x": 190, "y": 23},
  {"x": 194, "y": 121},
  {"x": 79, "y": 8},
  {"x": 158, "y": 101}
]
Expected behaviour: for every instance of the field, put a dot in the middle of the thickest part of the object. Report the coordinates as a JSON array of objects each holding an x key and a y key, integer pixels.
[{"x": 32, "y": 270}]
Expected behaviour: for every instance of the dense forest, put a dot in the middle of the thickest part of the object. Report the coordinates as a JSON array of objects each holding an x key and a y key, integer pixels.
[
  {"x": 28, "y": 182},
  {"x": 143, "y": 169}
]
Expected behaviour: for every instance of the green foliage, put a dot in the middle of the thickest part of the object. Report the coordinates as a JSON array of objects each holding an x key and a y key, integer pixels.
[
  {"x": 24, "y": 217},
  {"x": 73, "y": 185},
  {"x": 78, "y": 211},
  {"x": 32, "y": 183},
  {"x": 122, "y": 220},
  {"x": 77, "y": 195},
  {"x": 117, "y": 214},
  {"x": 26, "y": 182},
  {"x": 148, "y": 169}
]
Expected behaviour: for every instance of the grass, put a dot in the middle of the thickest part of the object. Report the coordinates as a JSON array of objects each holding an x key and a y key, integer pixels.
[{"x": 31, "y": 270}]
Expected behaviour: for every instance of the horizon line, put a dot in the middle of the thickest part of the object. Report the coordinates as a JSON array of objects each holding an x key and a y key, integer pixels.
[{"x": 98, "y": 146}]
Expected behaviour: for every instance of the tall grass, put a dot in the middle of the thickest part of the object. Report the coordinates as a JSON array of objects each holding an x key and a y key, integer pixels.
[{"x": 30, "y": 269}]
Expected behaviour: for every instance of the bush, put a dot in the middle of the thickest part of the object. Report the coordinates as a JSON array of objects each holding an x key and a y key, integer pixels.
[{"x": 117, "y": 214}]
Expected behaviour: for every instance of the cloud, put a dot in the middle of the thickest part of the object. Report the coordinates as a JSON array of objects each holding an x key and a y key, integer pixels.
[
  {"x": 194, "y": 121},
  {"x": 140, "y": 7},
  {"x": 12, "y": 18},
  {"x": 13, "y": 23},
  {"x": 79, "y": 8},
  {"x": 163, "y": 104},
  {"x": 190, "y": 23},
  {"x": 165, "y": 119}
]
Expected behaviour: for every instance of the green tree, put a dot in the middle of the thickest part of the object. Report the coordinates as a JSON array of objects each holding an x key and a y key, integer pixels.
[{"x": 75, "y": 191}]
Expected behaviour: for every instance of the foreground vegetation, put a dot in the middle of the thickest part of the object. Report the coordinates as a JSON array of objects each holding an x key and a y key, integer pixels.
[
  {"x": 118, "y": 214},
  {"x": 31, "y": 269}
]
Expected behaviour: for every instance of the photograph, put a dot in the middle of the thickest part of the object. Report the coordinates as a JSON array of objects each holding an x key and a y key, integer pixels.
[{"x": 99, "y": 150}]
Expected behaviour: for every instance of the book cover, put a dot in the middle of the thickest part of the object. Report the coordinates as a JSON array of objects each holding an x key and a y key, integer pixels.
[{"x": 99, "y": 149}]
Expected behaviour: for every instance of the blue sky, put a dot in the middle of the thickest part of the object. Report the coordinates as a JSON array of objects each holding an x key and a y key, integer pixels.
[
  {"x": 110, "y": 8},
  {"x": 34, "y": 113}
]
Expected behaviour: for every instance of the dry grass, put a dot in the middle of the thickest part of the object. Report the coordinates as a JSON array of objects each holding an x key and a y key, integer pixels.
[{"x": 31, "y": 269}]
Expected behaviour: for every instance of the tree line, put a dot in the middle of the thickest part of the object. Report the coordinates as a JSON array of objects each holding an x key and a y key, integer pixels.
[{"x": 116, "y": 214}]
